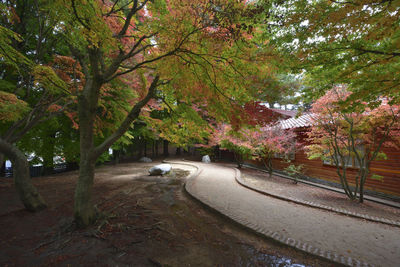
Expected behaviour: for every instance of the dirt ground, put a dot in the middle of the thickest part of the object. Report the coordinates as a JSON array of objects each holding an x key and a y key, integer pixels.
[
  {"x": 148, "y": 221},
  {"x": 285, "y": 187}
]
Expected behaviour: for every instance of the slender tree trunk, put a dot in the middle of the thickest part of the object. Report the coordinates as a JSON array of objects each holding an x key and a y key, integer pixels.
[
  {"x": 361, "y": 193},
  {"x": 363, "y": 178},
  {"x": 343, "y": 181},
  {"x": 238, "y": 159},
  {"x": 357, "y": 185},
  {"x": 269, "y": 166},
  {"x": 27, "y": 192}
]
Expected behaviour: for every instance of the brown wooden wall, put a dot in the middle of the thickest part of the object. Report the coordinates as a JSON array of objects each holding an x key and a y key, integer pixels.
[{"x": 389, "y": 169}]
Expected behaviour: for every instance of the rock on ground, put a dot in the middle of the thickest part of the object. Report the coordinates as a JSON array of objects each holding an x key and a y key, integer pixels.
[
  {"x": 160, "y": 169},
  {"x": 206, "y": 159}
]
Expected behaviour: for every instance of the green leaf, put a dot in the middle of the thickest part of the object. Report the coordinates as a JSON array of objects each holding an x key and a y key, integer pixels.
[
  {"x": 377, "y": 177},
  {"x": 381, "y": 156},
  {"x": 11, "y": 108},
  {"x": 48, "y": 79}
]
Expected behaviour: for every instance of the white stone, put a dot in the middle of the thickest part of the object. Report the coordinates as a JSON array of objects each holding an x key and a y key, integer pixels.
[
  {"x": 206, "y": 159},
  {"x": 145, "y": 159},
  {"x": 160, "y": 169}
]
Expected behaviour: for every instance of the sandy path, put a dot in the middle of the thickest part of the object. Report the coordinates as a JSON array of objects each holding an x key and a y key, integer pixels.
[{"x": 356, "y": 239}]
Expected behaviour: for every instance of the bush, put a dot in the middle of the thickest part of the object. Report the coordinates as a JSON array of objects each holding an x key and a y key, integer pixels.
[{"x": 294, "y": 171}]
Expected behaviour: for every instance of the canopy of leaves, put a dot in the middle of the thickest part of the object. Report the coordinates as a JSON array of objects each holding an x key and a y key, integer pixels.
[
  {"x": 272, "y": 140},
  {"x": 352, "y": 42},
  {"x": 8, "y": 54},
  {"x": 358, "y": 133},
  {"x": 11, "y": 108}
]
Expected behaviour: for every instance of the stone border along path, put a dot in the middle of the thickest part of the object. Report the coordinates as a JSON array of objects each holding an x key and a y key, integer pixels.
[
  {"x": 330, "y": 188},
  {"x": 316, "y": 205},
  {"x": 346, "y": 240}
]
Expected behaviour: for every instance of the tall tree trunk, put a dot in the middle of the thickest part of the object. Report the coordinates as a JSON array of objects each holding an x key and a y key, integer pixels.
[
  {"x": 27, "y": 192},
  {"x": 84, "y": 211}
]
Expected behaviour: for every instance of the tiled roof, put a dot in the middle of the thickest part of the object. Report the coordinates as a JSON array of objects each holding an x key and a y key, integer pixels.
[
  {"x": 290, "y": 113},
  {"x": 302, "y": 121}
]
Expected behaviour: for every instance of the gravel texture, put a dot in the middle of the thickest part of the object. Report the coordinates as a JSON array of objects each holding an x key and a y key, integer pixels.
[
  {"x": 343, "y": 239},
  {"x": 286, "y": 188}
]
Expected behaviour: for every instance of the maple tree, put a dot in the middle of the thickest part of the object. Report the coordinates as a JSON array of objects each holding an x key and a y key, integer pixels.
[
  {"x": 182, "y": 125},
  {"x": 237, "y": 141},
  {"x": 107, "y": 60},
  {"x": 256, "y": 134},
  {"x": 272, "y": 140},
  {"x": 257, "y": 114},
  {"x": 185, "y": 50},
  {"x": 253, "y": 142},
  {"x": 31, "y": 91},
  {"x": 244, "y": 133},
  {"x": 339, "y": 42},
  {"x": 339, "y": 136}
]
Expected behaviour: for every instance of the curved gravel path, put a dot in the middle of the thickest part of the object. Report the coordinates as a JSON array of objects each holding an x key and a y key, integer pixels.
[{"x": 347, "y": 240}]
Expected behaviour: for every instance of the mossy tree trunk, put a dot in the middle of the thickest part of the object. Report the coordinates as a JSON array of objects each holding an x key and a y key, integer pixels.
[{"x": 84, "y": 211}]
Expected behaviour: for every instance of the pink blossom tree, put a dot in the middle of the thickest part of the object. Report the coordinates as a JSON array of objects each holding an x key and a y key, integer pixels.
[{"x": 342, "y": 137}]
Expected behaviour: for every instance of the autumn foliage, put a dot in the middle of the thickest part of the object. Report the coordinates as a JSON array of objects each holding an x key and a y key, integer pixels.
[
  {"x": 271, "y": 141},
  {"x": 352, "y": 138},
  {"x": 255, "y": 142}
]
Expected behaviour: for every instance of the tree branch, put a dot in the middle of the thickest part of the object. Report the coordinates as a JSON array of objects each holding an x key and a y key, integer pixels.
[{"x": 132, "y": 116}]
